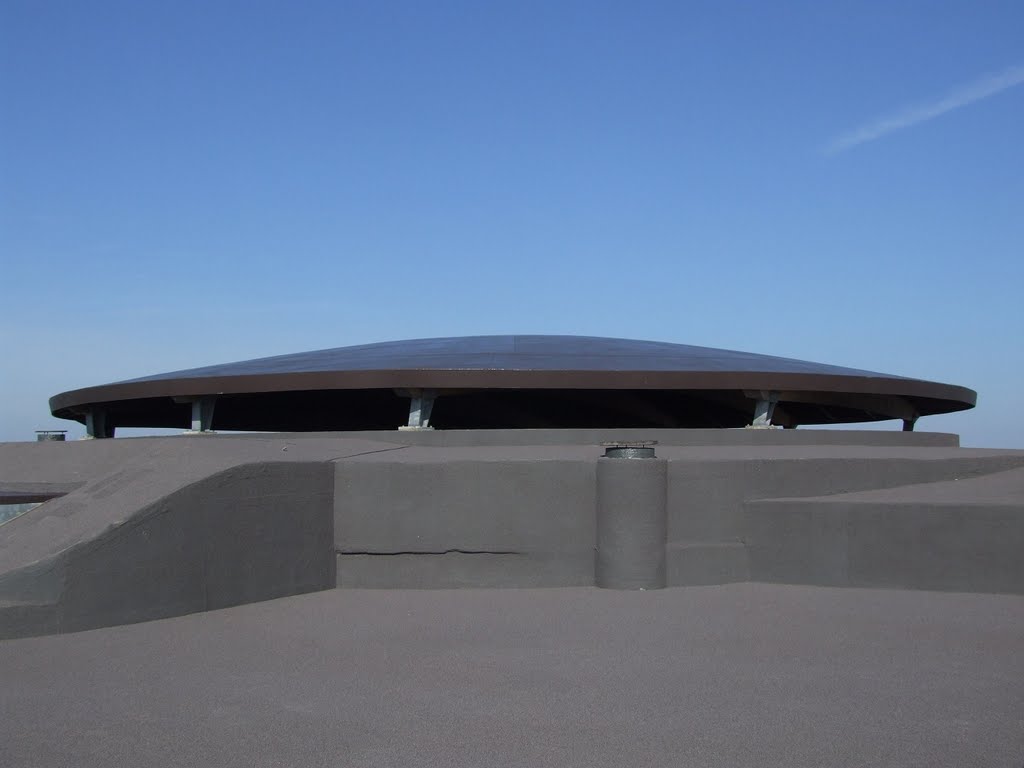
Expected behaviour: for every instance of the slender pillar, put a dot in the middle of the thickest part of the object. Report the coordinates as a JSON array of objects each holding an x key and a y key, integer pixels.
[
  {"x": 202, "y": 413},
  {"x": 96, "y": 423},
  {"x": 421, "y": 404},
  {"x": 632, "y": 525},
  {"x": 764, "y": 408},
  {"x": 201, "y": 421},
  {"x": 908, "y": 424}
]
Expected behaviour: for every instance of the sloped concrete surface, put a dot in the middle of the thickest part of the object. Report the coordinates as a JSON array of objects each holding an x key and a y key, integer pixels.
[
  {"x": 157, "y": 527},
  {"x": 114, "y": 479},
  {"x": 738, "y": 675},
  {"x": 252, "y": 532}
]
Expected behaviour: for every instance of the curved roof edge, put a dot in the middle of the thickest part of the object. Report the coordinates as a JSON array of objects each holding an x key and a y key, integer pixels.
[{"x": 525, "y": 363}]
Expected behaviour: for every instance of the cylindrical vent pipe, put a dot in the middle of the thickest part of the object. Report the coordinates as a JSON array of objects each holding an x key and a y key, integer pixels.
[{"x": 631, "y": 518}]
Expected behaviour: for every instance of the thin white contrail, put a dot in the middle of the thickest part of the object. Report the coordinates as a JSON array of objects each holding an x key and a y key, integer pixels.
[{"x": 919, "y": 113}]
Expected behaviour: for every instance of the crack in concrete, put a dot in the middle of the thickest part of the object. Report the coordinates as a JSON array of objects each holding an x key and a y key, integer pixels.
[
  {"x": 367, "y": 453},
  {"x": 453, "y": 551}
]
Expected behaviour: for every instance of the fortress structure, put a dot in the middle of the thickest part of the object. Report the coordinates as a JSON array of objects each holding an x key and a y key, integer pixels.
[{"x": 506, "y": 461}]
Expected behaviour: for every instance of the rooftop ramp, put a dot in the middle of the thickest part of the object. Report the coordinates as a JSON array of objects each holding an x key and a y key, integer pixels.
[{"x": 146, "y": 528}]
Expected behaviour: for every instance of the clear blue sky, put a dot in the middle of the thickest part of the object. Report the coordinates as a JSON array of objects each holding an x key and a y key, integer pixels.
[{"x": 191, "y": 183}]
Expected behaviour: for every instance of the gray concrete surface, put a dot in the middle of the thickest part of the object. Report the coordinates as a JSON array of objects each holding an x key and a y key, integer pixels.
[
  {"x": 148, "y": 527},
  {"x": 726, "y": 675},
  {"x": 630, "y": 522},
  {"x": 106, "y": 482},
  {"x": 525, "y": 504},
  {"x": 964, "y": 535},
  {"x": 253, "y": 532},
  {"x": 738, "y": 675}
]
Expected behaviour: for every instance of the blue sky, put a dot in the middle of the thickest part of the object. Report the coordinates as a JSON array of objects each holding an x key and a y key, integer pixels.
[{"x": 184, "y": 184}]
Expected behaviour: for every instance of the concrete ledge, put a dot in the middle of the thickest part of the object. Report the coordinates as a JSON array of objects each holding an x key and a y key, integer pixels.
[
  {"x": 682, "y": 437},
  {"x": 520, "y": 505}
]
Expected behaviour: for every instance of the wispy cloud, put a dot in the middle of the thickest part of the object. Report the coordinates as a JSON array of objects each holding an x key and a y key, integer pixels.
[{"x": 919, "y": 113}]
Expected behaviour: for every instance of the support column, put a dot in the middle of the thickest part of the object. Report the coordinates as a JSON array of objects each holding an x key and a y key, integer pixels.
[
  {"x": 908, "y": 424},
  {"x": 202, "y": 413},
  {"x": 201, "y": 421},
  {"x": 632, "y": 523},
  {"x": 421, "y": 403},
  {"x": 96, "y": 424},
  {"x": 764, "y": 408}
]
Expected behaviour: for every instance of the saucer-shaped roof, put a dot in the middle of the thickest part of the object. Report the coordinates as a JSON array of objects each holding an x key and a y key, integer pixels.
[{"x": 515, "y": 381}]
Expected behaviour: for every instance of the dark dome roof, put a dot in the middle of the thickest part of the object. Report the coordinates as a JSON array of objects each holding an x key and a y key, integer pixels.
[{"x": 509, "y": 381}]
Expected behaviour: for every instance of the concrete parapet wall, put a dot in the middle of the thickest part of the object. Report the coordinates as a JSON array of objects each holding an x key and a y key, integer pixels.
[
  {"x": 519, "y": 522},
  {"x": 517, "y": 517}
]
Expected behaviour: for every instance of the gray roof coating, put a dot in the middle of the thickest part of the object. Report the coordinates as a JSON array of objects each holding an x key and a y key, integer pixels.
[{"x": 737, "y": 675}]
